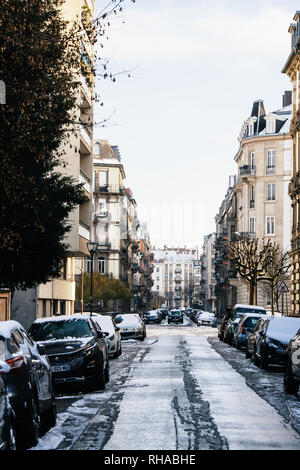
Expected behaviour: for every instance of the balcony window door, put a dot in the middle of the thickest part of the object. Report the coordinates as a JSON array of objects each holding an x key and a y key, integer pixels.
[
  {"x": 270, "y": 225},
  {"x": 271, "y": 192},
  {"x": 252, "y": 163},
  {"x": 103, "y": 179},
  {"x": 252, "y": 226},
  {"x": 270, "y": 162},
  {"x": 101, "y": 265},
  {"x": 252, "y": 197}
]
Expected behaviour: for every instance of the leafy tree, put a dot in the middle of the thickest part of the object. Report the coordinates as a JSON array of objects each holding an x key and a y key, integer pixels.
[
  {"x": 38, "y": 57},
  {"x": 104, "y": 288}
]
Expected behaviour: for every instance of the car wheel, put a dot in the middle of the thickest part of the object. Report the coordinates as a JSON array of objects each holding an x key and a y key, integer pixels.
[
  {"x": 256, "y": 360},
  {"x": 237, "y": 345},
  {"x": 289, "y": 383},
  {"x": 247, "y": 354},
  {"x": 28, "y": 433},
  {"x": 48, "y": 418},
  {"x": 120, "y": 349},
  {"x": 106, "y": 373},
  {"x": 98, "y": 382},
  {"x": 263, "y": 363},
  {"x": 11, "y": 435}
]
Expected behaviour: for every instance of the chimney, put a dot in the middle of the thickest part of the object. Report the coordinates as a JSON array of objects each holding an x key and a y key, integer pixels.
[{"x": 287, "y": 98}]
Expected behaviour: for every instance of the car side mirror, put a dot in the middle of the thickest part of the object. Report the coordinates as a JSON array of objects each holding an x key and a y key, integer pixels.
[
  {"x": 260, "y": 333},
  {"x": 99, "y": 334},
  {"x": 106, "y": 333},
  {"x": 117, "y": 328}
]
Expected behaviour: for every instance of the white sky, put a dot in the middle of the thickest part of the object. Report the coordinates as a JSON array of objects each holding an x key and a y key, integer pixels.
[{"x": 199, "y": 65}]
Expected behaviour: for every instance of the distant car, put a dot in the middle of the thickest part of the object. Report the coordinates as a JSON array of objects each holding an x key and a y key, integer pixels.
[
  {"x": 188, "y": 311},
  {"x": 225, "y": 319},
  {"x": 76, "y": 348},
  {"x": 164, "y": 312},
  {"x": 109, "y": 328},
  {"x": 194, "y": 314},
  {"x": 230, "y": 329},
  {"x": 7, "y": 417},
  {"x": 151, "y": 317},
  {"x": 131, "y": 326},
  {"x": 175, "y": 316},
  {"x": 159, "y": 315},
  {"x": 206, "y": 318},
  {"x": 273, "y": 339},
  {"x": 29, "y": 383},
  {"x": 244, "y": 327}
]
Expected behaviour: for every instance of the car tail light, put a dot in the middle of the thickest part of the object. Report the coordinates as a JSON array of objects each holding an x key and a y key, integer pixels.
[
  {"x": 15, "y": 363},
  {"x": 243, "y": 331}
]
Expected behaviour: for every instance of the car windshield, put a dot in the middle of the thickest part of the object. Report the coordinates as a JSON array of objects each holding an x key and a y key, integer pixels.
[
  {"x": 176, "y": 312},
  {"x": 250, "y": 322},
  {"x": 64, "y": 329}
]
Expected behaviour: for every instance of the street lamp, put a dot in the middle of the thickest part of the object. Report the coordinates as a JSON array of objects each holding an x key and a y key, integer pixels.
[{"x": 92, "y": 247}]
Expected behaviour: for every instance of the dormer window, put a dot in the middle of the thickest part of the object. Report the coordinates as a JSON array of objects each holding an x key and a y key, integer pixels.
[
  {"x": 271, "y": 126},
  {"x": 251, "y": 129}
]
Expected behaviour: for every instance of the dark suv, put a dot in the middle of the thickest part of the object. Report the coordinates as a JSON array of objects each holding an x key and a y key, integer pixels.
[
  {"x": 29, "y": 383},
  {"x": 76, "y": 348},
  {"x": 175, "y": 316}
]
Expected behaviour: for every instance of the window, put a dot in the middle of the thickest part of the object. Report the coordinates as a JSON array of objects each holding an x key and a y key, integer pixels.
[
  {"x": 101, "y": 265},
  {"x": 252, "y": 163},
  {"x": 270, "y": 225},
  {"x": 251, "y": 129},
  {"x": 271, "y": 126},
  {"x": 270, "y": 162},
  {"x": 252, "y": 225},
  {"x": 252, "y": 196},
  {"x": 88, "y": 265},
  {"x": 271, "y": 192},
  {"x": 102, "y": 178}
]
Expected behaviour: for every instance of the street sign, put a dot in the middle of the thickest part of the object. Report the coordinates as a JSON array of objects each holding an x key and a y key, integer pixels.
[{"x": 282, "y": 287}]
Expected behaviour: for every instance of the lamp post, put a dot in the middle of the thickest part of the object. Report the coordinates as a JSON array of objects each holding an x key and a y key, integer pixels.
[{"x": 92, "y": 247}]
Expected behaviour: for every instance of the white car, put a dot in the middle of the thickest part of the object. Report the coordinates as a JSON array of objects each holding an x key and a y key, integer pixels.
[
  {"x": 108, "y": 325},
  {"x": 205, "y": 318}
]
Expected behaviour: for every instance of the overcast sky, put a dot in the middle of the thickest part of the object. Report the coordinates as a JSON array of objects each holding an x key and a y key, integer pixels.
[{"x": 198, "y": 66}]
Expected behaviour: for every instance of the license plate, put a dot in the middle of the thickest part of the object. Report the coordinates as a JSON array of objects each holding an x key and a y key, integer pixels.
[{"x": 63, "y": 368}]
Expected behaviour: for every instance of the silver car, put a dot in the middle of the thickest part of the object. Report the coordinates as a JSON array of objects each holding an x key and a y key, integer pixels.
[{"x": 131, "y": 326}]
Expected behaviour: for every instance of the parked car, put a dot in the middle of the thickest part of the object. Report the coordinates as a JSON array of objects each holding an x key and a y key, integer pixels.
[
  {"x": 225, "y": 319},
  {"x": 151, "y": 317},
  {"x": 194, "y": 315},
  {"x": 292, "y": 369},
  {"x": 76, "y": 348},
  {"x": 238, "y": 311},
  {"x": 230, "y": 329},
  {"x": 7, "y": 417},
  {"x": 112, "y": 332},
  {"x": 164, "y": 312},
  {"x": 206, "y": 318},
  {"x": 189, "y": 311},
  {"x": 175, "y": 316},
  {"x": 253, "y": 336},
  {"x": 131, "y": 326},
  {"x": 245, "y": 326},
  {"x": 273, "y": 339},
  {"x": 159, "y": 316},
  {"x": 29, "y": 383}
]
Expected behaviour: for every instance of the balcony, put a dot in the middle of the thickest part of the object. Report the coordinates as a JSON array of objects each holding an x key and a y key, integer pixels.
[
  {"x": 178, "y": 271},
  {"x": 85, "y": 181},
  {"x": 110, "y": 189},
  {"x": 103, "y": 246},
  {"x": 178, "y": 279},
  {"x": 84, "y": 230},
  {"x": 247, "y": 170}
]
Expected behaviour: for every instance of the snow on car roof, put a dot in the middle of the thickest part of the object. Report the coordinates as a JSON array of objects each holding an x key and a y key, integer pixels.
[
  {"x": 249, "y": 306},
  {"x": 283, "y": 328},
  {"x": 7, "y": 326}
]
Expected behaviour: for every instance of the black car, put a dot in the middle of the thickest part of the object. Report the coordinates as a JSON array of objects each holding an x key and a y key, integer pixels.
[
  {"x": 292, "y": 369},
  {"x": 225, "y": 319},
  {"x": 29, "y": 383},
  {"x": 253, "y": 336},
  {"x": 7, "y": 418},
  {"x": 175, "y": 316},
  {"x": 273, "y": 339},
  {"x": 76, "y": 349},
  {"x": 151, "y": 317}
]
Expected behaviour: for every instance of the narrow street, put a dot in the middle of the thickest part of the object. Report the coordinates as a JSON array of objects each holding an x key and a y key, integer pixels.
[{"x": 173, "y": 392}]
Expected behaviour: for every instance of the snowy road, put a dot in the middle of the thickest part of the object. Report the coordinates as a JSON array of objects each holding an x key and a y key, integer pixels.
[{"x": 171, "y": 392}]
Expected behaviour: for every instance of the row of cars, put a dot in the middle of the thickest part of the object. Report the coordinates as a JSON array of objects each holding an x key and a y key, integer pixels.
[
  {"x": 267, "y": 340},
  {"x": 56, "y": 351},
  {"x": 201, "y": 317}
]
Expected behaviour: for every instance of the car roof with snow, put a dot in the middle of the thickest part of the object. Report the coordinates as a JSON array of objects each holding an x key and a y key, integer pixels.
[
  {"x": 250, "y": 307},
  {"x": 7, "y": 326}
]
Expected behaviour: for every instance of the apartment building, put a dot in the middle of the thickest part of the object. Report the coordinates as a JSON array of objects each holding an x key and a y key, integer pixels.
[
  {"x": 292, "y": 69},
  {"x": 226, "y": 223},
  {"x": 58, "y": 295},
  {"x": 264, "y": 170},
  {"x": 109, "y": 191},
  {"x": 208, "y": 274},
  {"x": 173, "y": 275}
]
